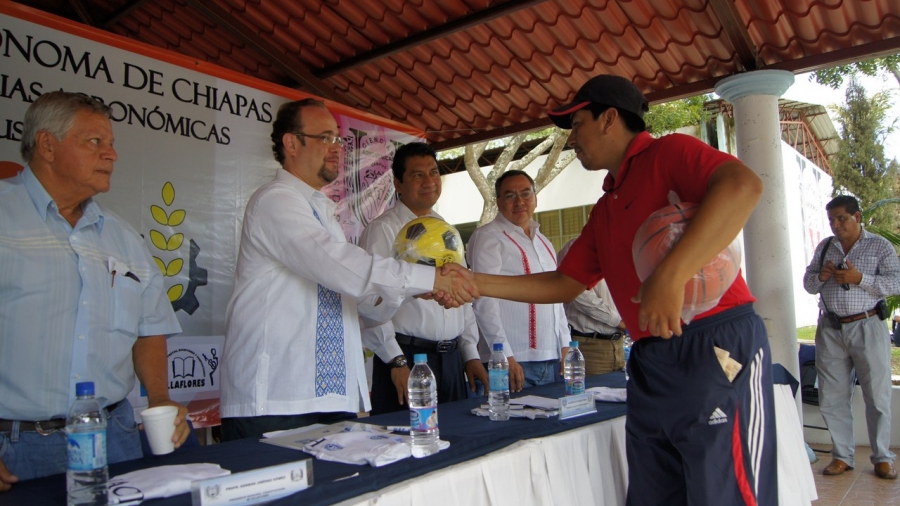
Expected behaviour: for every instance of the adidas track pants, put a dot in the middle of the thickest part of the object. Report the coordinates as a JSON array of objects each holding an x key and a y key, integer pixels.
[{"x": 693, "y": 436}]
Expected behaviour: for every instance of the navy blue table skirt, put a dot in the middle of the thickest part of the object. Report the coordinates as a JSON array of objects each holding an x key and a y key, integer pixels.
[{"x": 469, "y": 436}]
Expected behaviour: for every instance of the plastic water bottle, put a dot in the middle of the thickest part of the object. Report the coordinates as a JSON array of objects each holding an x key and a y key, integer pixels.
[
  {"x": 626, "y": 345},
  {"x": 573, "y": 370},
  {"x": 87, "y": 473},
  {"x": 498, "y": 373},
  {"x": 423, "y": 412}
]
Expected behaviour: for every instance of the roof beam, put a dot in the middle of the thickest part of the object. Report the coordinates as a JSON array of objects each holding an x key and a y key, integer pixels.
[
  {"x": 292, "y": 67},
  {"x": 736, "y": 32},
  {"x": 82, "y": 12},
  {"x": 877, "y": 49},
  {"x": 487, "y": 135},
  {"x": 478, "y": 18},
  {"x": 121, "y": 12}
]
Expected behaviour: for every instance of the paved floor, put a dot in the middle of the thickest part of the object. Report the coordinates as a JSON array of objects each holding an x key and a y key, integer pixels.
[{"x": 859, "y": 487}]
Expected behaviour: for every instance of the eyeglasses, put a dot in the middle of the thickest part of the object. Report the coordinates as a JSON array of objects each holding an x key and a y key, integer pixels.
[
  {"x": 328, "y": 139},
  {"x": 525, "y": 195}
]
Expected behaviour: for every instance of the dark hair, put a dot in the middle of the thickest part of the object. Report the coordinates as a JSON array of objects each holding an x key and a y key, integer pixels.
[
  {"x": 508, "y": 174},
  {"x": 288, "y": 120},
  {"x": 850, "y": 204},
  {"x": 398, "y": 166},
  {"x": 633, "y": 122}
]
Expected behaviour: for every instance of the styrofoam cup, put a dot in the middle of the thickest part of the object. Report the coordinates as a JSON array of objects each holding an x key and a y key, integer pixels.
[{"x": 159, "y": 424}]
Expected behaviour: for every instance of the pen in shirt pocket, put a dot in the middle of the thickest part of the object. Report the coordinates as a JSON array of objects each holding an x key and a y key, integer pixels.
[
  {"x": 115, "y": 266},
  {"x": 111, "y": 265}
]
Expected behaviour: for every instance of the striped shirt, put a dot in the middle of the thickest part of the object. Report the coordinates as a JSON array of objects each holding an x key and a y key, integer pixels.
[
  {"x": 873, "y": 256},
  {"x": 62, "y": 318}
]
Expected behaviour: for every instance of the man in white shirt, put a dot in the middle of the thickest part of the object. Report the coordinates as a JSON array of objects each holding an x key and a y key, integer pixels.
[
  {"x": 292, "y": 354},
  {"x": 596, "y": 324},
  {"x": 449, "y": 337},
  {"x": 535, "y": 337}
]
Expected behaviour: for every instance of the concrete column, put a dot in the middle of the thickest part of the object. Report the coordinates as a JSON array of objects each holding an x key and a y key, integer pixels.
[{"x": 767, "y": 248}]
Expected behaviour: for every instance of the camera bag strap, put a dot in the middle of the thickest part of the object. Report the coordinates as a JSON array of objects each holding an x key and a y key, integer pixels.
[{"x": 826, "y": 243}]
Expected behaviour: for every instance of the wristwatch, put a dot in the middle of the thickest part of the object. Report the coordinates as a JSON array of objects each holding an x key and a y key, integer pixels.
[{"x": 398, "y": 361}]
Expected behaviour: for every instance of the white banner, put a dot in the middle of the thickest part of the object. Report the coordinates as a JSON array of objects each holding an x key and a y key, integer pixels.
[{"x": 192, "y": 146}]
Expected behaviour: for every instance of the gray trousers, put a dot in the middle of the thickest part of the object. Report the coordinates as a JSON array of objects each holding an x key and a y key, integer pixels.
[{"x": 864, "y": 346}]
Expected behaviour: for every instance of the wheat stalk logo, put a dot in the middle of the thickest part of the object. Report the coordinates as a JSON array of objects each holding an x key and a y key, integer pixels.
[{"x": 171, "y": 243}]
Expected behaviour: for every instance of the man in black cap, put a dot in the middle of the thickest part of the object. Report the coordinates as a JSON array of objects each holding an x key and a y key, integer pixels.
[{"x": 712, "y": 378}]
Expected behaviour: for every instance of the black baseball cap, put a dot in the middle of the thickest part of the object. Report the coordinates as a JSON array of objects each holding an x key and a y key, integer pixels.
[{"x": 614, "y": 91}]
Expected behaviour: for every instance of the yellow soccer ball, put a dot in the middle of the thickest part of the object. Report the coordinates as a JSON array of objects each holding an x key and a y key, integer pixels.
[{"x": 429, "y": 241}]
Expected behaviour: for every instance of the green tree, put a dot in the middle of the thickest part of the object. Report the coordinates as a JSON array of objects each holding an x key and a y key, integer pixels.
[
  {"x": 670, "y": 116},
  {"x": 860, "y": 167},
  {"x": 834, "y": 76},
  {"x": 891, "y": 234}
]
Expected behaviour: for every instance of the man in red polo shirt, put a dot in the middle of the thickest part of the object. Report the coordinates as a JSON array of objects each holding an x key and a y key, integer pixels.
[{"x": 716, "y": 444}]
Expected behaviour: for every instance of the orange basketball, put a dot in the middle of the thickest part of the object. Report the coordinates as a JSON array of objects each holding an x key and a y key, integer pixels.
[{"x": 656, "y": 237}]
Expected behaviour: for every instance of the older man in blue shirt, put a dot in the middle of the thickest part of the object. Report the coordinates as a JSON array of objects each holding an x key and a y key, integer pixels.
[{"x": 80, "y": 296}]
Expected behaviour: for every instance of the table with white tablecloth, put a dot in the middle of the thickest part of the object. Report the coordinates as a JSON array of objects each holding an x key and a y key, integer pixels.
[
  {"x": 519, "y": 462},
  {"x": 579, "y": 466}
]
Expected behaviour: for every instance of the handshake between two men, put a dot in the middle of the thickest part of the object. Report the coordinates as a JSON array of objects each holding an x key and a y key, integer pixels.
[{"x": 454, "y": 285}]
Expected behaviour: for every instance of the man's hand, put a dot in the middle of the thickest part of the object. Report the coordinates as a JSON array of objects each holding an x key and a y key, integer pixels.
[
  {"x": 828, "y": 270},
  {"x": 400, "y": 377},
  {"x": 848, "y": 276},
  {"x": 182, "y": 430},
  {"x": 475, "y": 371},
  {"x": 516, "y": 375},
  {"x": 150, "y": 362},
  {"x": 562, "y": 361},
  {"x": 661, "y": 301},
  {"x": 6, "y": 478},
  {"x": 731, "y": 194},
  {"x": 454, "y": 285}
]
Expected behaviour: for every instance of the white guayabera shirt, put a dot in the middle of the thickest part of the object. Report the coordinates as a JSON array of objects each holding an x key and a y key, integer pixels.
[{"x": 292, "y": 338}]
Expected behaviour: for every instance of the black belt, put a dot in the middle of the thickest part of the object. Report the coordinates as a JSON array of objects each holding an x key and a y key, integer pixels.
[
  {"x": 615, "y": 336},
  {"x": 437, "y": 346},
  {"x": 44, "y": 427},
  {"x": 857, "y": 316}
]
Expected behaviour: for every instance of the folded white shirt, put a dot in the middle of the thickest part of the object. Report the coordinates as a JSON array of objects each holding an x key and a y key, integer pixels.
[
  {"x": 360, "y": 447},
  {"x": 363, "y": 444},
  {"x": 162, "y": 481},
  {"x": 530, "y": 413}
]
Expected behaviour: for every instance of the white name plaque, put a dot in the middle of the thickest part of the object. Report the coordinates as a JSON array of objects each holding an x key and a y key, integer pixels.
[
  {"x": 576, "y": 405},
  {"x": 253, "y": 487}
]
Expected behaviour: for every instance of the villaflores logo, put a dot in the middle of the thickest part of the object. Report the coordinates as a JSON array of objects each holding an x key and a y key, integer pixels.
[{"x": 189, "y": 370}]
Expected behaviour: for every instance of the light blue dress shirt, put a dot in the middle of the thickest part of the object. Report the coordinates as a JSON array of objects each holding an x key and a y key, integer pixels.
[{"x": 63, "y": 319}]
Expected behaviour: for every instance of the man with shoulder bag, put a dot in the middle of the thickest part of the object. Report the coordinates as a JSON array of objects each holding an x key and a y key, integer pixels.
[{"x": 852, "y": 272}]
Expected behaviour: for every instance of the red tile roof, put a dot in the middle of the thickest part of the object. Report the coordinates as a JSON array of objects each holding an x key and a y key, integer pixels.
[{"x": 465, "y": 70}]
